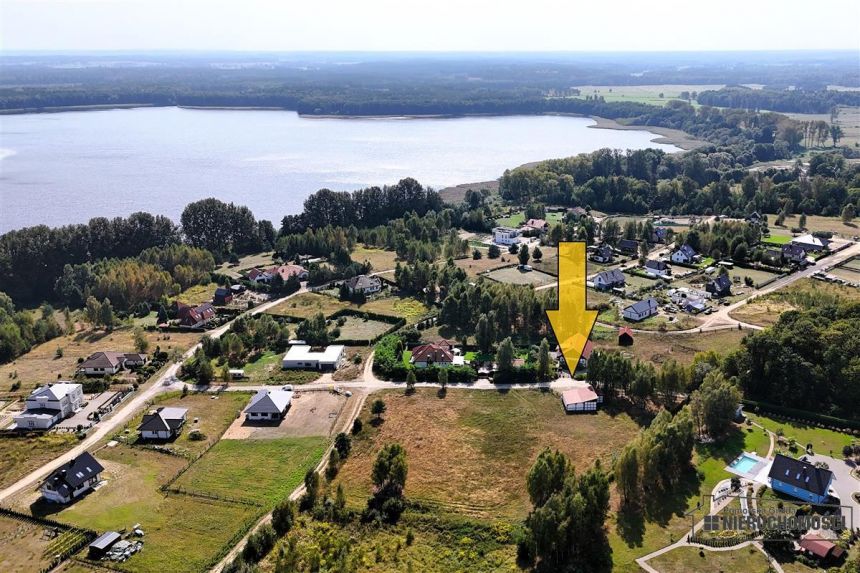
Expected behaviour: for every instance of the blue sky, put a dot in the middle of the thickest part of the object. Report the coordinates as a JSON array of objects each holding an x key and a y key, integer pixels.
[{"x": 456, "y": 25}]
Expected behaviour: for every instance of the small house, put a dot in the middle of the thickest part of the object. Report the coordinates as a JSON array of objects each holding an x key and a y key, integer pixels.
[
  {"x": 754, "y": 218},
  {"x": 222, "y": 296},
  {"x": 800, "y": 480},
  {"x": 587, "y": 351},
  {"x": 720, "y": 286},
  {"x": 660, "y": 235},
  {"x": 640, "y": 310},
  {"x": 793, "y": 254},
  {"x": 264, "y": 276},
  {"x": 431, "y": 355},
  {"x": 304, "y": 356},
  {"x": 237, "y": 289},
  {"x": 628, "y": 246},
  {"x": 686, "y": 255},
  {"x": 625, "y": 336},
  {"x": 269, "y": 405},
  {"x": 165, "y": 423},
  {"x": 536, "y": 226},
  {"x": 606, "y": 280},
  {"x": 195, "y": 316},
  {"x": 583, "y": 399},
  {"x": 506, "y": 236},
  {"x": 603, "y": 254},
  {"x": 364, "y": 284},
  {"x": 109, "y": 363},
  {"x": 657, "y": 268},
  {"x": 819, "y": 548},
  {"x": 72, "y": 479},
  {"x": 49, "y": 404}
]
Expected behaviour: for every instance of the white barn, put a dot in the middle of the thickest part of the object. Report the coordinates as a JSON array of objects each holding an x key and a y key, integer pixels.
[{"x": 304, "y": 356}]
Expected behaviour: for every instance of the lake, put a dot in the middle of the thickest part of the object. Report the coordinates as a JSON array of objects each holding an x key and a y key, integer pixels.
[{"x": 60, "y": 168}]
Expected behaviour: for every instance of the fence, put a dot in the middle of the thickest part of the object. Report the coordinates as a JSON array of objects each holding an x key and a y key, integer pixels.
[{"x": 64, "y": 548}]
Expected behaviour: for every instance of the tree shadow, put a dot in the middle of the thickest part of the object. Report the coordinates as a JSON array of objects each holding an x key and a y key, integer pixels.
[
  {"x": 376, "y": 422},
  {"x": 630, "y": 525},
  {"x": 620, "y": 405},
  {"x": 729, "y": 447},
  {"x": 660, "y": 509}
]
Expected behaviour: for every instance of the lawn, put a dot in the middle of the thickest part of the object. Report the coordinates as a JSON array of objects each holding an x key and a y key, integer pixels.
[
  {"x": 357, "y": 328},
  {"x": 823, "y": 441},
  {"x": 777, "y": 239},
  {"x": 198, "y": 294},
  {"x": 379, "y": 259},
  {"x": 801, "y": 294},
  {"x": 266, "y": 369},
  {"x": 514, "y": 220},
  {"x": 246, "y": 263},
  {"x": 408, "y": 308},
  {"x": 512, "y": 275},
  {"x": 656, "y": 323},
  {"x": 469, "y": 453},
  {"x": 19, "y": 456},
  {"x": 685, "y": 559},
  {"x": 263, "y": 471},
  {"x": 658, "y": 348},
  {"x": 42, "y": 365}
]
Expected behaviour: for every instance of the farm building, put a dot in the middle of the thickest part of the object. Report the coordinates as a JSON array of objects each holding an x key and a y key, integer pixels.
[
  {"x": 640, "y": 310},
  {"x": 269, "y": 405},
  {"x": 163, "y": 424},
  {"x": 506, "y": 236},
  {"x": 47, "y": 405},
  {"x": 583, "y": 399},
  {"x": 304, "y": 356},
  {"x": 801, "y": 480},
  {"x": 103, "y": 543},
  {"x": 625, "y": 336},
  {"x": 72, "y": 479}
]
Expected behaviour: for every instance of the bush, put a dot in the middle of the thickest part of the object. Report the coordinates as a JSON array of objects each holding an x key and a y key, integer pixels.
[
  {"x": 259, "y": 544},
  {"x": 284, "y": 516},
  {"x": 356, "y": 427}
]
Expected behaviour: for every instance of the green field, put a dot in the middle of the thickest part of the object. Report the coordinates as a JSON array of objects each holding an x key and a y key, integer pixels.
[
  {"x": 777, "y": 239},
  {"x": 685, "y": 559},
  {"x": 648, "y": 94},
  {"x": 823, "y": 441},
  {"x": 263, "y": 471}
]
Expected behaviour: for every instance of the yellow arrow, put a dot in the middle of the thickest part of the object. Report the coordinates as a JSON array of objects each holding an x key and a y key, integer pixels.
[{"x": 571, "y": 323}]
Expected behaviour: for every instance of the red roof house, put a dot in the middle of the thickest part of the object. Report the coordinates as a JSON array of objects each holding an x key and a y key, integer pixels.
[{"x": 428, "y": 354}]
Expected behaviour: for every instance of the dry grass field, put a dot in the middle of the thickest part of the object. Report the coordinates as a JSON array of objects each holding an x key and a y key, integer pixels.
[
  {"x": 658, "y": 348},
  {"x": 475, "y": 267},
  {"x": 23, "y": 546},
  {"x": 19, "y": 456},
  {"x": 308, "y": 304},
  {"x": 469, "y": 452},
  {"x": 685, "y": 559},
  {"x": 803, "y": 293},
  {"x": 512, "y": 275},
  {"x": 816, "y": 223},
  {"x": 379, "y": 259},
  {"x": 246, "y": 263}
]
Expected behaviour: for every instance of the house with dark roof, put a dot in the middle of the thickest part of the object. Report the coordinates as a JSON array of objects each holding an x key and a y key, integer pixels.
[
  {"x": 799, "y": 479},
  {"x": 222, "y": 296},
  {"x": 659, "y": 234},
  {"x": 753, "y": 218},
  {"x": 793, "y": 254},
  {"x": 628, "y": 246},
  {"x": 364, "y": 284},
  {"x": 195, "y": 316},
  {"x": 269, "y": 405},
  {"x": 603, "y": 254},
  {"x": 686, "y": 255},
  {"x": 657, "y": 268},
  {"x": 720, "y": 286},
  {"x": 431, "y": 355},
  {"x": 109, "y": 363},
  {"x": 72, "y": 479},
  {"x": 165, "y": 423},
  {"x": 640, "y": 310},
  {"x": 607, "y": 280}
]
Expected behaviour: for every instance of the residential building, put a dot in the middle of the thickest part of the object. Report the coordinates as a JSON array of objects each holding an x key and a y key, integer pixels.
[
  {"x": 506, "y": 236},
  {"x": 628, "y": 246},
  {"x": 640, "y": 310},
  {"x": 720, "y": 286},
  {"x": 799, "y": 479},
  {"x": 269, "y": 405},
  {"x": 109, "y": 363},
  {"x": 195, "y": 316},
  {"x": 814, "y": 545},
  {"x": 222, "y": 296},
  {"x": 810, "y": 242},
  {"x": 267, "y": 275},
  {"x": 536, "y": 226},
  {"x": 304, "y": 356},
  {"x": 753, "y": 218},
  {"x": 165, "y": 423},
  {"x": 364, "y": 284},
  {"x": 578, "y": 212},
  {"x": 774, "y": 257},
  {"x": 625, "y": 336},
  {"x": 431, "y": 355},
  {"x": 660, "y": 235},
  {"x": 603, "y": 254},
  {"x": 794, "y": 254},
  {"x": 657, "y": 268},
  {"x": 288, "y": 271},
  {"x": 49, "y": 404},
  {"x": 686, "y": 255},
  {"x": 689, "y": 300},
  {"x": 587, "y": 351},
  {"x": 583, "y": 399},
  {"x": 606, "y": 280},
  {"x": 261, "y": 275},
  {"x": 72, "y": 479}
]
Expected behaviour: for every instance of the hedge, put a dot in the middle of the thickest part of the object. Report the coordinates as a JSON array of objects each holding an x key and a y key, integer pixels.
[{"x": 802, "y": 415}]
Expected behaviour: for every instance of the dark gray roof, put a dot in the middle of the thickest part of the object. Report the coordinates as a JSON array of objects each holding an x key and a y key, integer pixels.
[
  {"x": 105, "y": 540},
  {"x": 611, "y": 277},
  {"x": 643, "y": 306},
  {"x": 688, "y": 251},
  {"x": 720, "y": 284},
  {"x": 362, "y": 282},
  {"x": 628, "y": 244},
  {"x": 71, "y": 475},
  {"x": 802, "y": 475},
  {"x": 659, "y": 265},
  {"x": 163, "y": 419}
]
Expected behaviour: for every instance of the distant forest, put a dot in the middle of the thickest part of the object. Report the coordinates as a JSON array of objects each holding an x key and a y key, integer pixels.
[{"x": 789, "y": 101}]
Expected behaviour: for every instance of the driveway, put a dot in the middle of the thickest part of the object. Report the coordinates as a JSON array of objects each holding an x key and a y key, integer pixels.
[{"x": 843, "y": 483}]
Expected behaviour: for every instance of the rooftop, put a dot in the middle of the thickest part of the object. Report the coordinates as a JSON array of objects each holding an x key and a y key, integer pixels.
[{"x": 305, "y": 352}]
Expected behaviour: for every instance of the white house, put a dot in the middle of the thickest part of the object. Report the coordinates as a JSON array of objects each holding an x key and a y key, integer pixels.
[
  {"x": 364, "y": 284},
  {"x": 163, "y": 424},
  {"x": 303, "y": 356},
  {"x": 640, "y": 310},
  {"x": 506, "y": 236},
  {"x": 686, "y": 255},
  {"x": 657, "y": 268},
  {"x": 602, "y": 254},
  {"x": 109, "y": 363},
  {"x": 583, "y": 399},
  {"x": 608, "y": 279},
  {"x": 49, "y": 404},
  {"x": 269, "y": 405},
  {"x": 72, "y": 479}
]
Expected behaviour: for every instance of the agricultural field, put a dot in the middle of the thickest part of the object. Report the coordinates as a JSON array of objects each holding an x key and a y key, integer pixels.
[
  {"x": 246, "y": 263},
  {"x": 816, "y": 223},
  {"x": 379, "y": 259},
  {"x": 648, "y": 94},
  {"x": 21, "y": 455},
  {"x": 684, "y": 559},
  {"x": 848, "y": 119},
  {"x": 657, "y": 348},
  {"x": 275, "y": 467},
  {"x": 474, "y": 267},
  {"x": 43, "y": 363},
  {"x": 803, "y": 293},
  {"x": 469, "y": 453},
  {"x": 512, "y": 275}
]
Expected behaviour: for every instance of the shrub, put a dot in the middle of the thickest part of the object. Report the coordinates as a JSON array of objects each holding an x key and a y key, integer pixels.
[
  {"x": 356, "y": 427},
  {"x": 284, "y": 516}
]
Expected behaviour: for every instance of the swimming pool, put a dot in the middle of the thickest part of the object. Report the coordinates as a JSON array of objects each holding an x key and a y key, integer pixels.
[{"x": 744, "y": 463}]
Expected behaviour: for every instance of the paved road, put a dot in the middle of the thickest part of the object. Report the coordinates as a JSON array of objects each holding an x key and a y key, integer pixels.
[
  {"x": 844, "y": 484},
  {"x": 125, "y": 412}
]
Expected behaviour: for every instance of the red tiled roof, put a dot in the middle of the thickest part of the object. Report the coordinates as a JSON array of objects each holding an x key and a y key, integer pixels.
[
  {"x": 587, "y": 350},
  {"x": 286, "y": 271},
  {"x": 578, "y": 395},
  {"x": 819, "y": 547},
  {"x": 431, "y": 353},
  {"x": 625, "y": 330}
]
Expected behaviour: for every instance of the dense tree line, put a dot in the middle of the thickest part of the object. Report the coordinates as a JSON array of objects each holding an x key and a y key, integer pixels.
[
  {"x": 32, "y": 259},
  {"x": 809, "y": 357},
  {"x": 225, "y": 228},
  {"x": 794, "y": 100},
  {"x": 418, "y": 238},
  {"x": 21, "y": 330},
  {"x": 732, "y": 239},
  {"x": 699, "y": 182}
]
